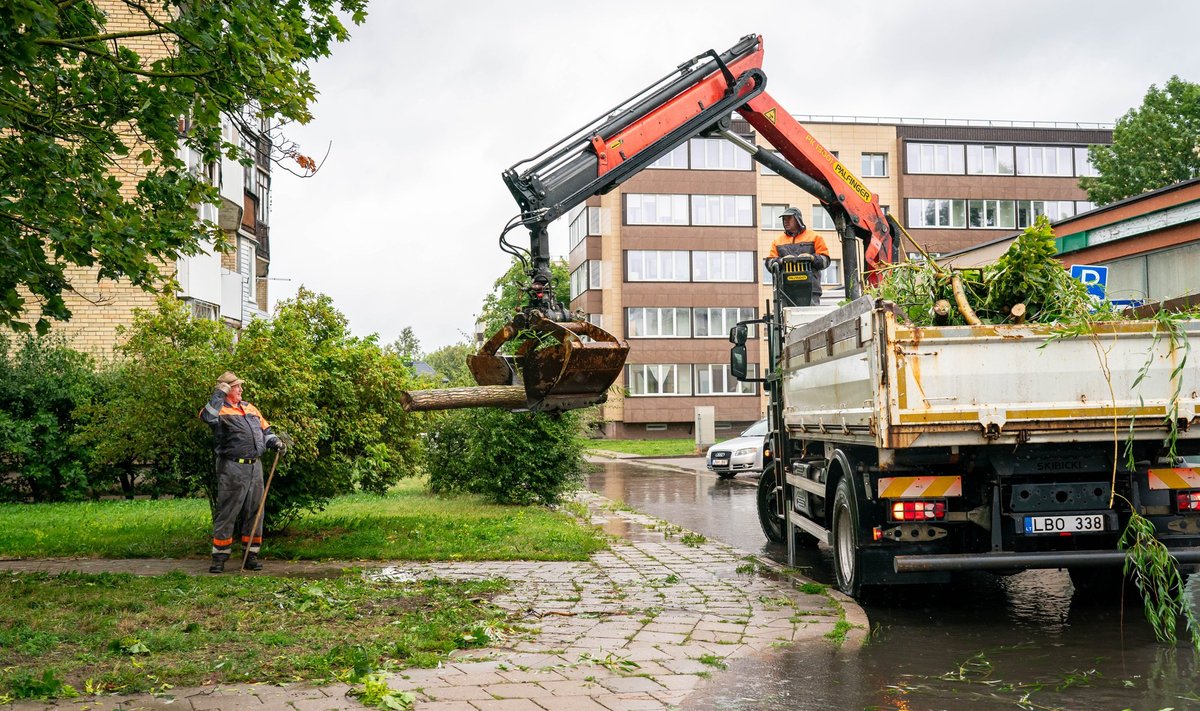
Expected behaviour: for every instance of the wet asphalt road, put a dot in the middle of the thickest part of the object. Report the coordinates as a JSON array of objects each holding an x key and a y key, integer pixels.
[{"x": 1019, "y": 642}]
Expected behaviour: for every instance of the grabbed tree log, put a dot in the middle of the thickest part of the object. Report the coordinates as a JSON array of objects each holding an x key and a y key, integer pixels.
[{"x": 509, "y": 397}]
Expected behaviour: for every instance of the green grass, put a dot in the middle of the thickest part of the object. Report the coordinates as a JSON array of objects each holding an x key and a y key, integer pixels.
[
  {"x": 122, "y": 633},
  {"x": 645, "y": 447},
  {"x": 406, "y": 524}
]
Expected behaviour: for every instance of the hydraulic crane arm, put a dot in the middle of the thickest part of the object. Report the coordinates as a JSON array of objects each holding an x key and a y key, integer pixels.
[{"x": 697, "y": 98}]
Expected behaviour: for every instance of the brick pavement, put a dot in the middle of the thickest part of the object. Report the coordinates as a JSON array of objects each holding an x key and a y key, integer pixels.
[{"x": 639, "y": 626}]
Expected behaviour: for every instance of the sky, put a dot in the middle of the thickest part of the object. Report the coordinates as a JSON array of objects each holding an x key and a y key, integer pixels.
[{"x": 426, "y": 105}]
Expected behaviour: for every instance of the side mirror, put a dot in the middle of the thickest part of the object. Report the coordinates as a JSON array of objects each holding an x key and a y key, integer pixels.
[
  {"x": 737, "y": 357},
  {"x": 737, "y": 335}
]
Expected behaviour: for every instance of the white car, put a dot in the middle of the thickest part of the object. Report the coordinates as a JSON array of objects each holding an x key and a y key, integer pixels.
[{"x": 744, "y": 453}]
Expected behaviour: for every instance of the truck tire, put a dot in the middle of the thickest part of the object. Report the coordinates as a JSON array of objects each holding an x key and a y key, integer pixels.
[
  {"x": 769, "y": 515},
  {"x": 847, "y": 559}
]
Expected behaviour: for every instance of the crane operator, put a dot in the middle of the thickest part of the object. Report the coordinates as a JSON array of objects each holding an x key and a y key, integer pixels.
[{"x": 798, "y": 240}]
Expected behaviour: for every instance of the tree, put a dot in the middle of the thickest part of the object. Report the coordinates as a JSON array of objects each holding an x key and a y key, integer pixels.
[
  {"x": 1153, "y": 146},
  {"x": 450, "y": 362},
  {"x": 42, "y": 382},
  {"x": 83, "y": 110},
  {"x": 406, "y": 346},
  {"x": 509, "y": 296}
]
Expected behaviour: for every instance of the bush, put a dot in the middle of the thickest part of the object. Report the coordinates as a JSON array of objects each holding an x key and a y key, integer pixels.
[
  {"x": 509, "y": 458},
  {"x": 42, "y": 382},
  {"x": 336, "y": 396},
  {"x": 146, "y": 419}
]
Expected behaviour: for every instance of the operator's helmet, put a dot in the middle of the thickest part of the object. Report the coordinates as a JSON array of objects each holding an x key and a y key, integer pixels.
[{"x": 794, "y": 212}]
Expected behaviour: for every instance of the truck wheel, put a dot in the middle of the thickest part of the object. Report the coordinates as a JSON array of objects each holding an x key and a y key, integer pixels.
[
  {"x": 847, "y": 561},
  {"x": 770, "y": 517}
]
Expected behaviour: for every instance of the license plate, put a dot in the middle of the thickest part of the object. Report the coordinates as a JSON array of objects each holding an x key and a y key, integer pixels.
[
  {"x": 1089, "y": 523},
  {"x": 720, "y": 457}
]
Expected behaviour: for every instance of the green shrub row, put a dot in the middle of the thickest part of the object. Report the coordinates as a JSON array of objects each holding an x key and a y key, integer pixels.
[{"x": 73, "y": 429}]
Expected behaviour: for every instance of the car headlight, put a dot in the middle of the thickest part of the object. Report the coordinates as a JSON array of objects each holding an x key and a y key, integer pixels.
[{"x": 744, "y": 452}]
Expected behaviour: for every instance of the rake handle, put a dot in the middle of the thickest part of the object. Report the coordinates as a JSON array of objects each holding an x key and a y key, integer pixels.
[{"x": 261, "y": 505}]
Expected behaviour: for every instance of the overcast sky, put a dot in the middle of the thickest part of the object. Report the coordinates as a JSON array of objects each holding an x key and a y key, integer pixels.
[{"x": 428, "y": 102}]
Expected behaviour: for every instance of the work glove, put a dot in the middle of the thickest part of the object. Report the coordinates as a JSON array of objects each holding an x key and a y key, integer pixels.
[
  {"x": 804, "y": 257},
  {"x": 773, "y": 264},
  {"x": 223, "y": 387},
  {"x": 278, "y": 445}
]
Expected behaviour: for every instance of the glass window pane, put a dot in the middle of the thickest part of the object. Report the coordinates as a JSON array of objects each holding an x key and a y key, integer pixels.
[
  {"x": 1008, "y": 214},
  {"x": 975, "y": 213},
  {"x": 975, "y": 159},
  {"x": 1004, "y": 160},
  {"x": 958, "y": 213}
]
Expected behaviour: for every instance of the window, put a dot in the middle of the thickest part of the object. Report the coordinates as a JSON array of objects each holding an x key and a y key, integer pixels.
[
  {"x": 676, "y": 159},
  {"x": 992, "y": 213},
  {"x": 874, "y": 165},
  {"x": 596, "y": 320},
  {"x": 717, "y": 154},
  {"x": 1083, "y": 164},
  {"x": 1044, "y": 160},
  {"x": 1082, "y": 206},
  {"x": 935, "y": 158},
  {"x": 659, "y": 379},
  {"x": 715, "y": 379},
  {"x": 937, "y": 213},
  {"x": 658, "y": 323},
  {"x": 657, "y": 266},
  {"x": 586, "y": 276},
  {"x": 725, "y": 210},
  {"x": 1029, "y": 210},
  {"x": 585, "y": 224},
  {"x": 722, "y": 266},
  {"x": 832, "y": 274},
  {"x": 769, "y": 216},
  {"x": 990, "y": 160},
  {"x": 643, "y": 209},
  {"x": 821, "y": 219},
  {"x": 716, "y": 322}
]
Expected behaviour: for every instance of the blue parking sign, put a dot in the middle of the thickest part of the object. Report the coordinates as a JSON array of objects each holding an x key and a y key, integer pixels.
[{"x": 1094, "y": 278}]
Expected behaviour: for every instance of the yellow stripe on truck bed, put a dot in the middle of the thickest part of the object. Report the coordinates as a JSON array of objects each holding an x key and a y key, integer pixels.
[
  {"x": 1178, "y": 478},
  {"x": 917, "y": 487}
]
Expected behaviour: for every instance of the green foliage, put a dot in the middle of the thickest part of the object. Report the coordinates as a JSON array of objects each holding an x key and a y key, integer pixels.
[
  {"x": 1028, "y": 273},
  {"x": 1153, "y": 146},
  {"x": 144, "y": 427},
  {"x": 450, "y": 362},
  {"x": 42, "y": 382},
  {"x": 334, "y": 395},
  {"x": 1150, "y": 565},
  {"x": 407, "y": 346},
  {"x": 376, "y": 693},
  {"x": 80, "y": 105},
  {"x": 509, "y": 296},
  {"x": 509, "y": 458}
]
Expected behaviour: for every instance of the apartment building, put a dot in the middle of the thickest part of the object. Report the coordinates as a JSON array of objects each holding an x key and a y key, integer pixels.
[
  {"x": 673, "y": 258},
  {"x": 230, "y": 287}
]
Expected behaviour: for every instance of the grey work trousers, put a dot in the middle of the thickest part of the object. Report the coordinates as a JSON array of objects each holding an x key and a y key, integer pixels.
[{"x": 239, "y": 492}]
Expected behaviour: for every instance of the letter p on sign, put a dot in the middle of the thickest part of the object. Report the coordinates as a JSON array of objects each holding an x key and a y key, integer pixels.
[{"x": 1094, "y": 278}]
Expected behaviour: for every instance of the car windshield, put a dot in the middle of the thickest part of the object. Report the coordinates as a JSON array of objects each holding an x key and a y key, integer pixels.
[{"x": 758, "y": 429}]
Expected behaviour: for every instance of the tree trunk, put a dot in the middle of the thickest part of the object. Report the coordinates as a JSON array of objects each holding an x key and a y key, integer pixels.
[{"x": 505, "y": 396}]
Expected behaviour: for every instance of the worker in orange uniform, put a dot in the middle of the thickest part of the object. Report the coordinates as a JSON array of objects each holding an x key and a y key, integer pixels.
[
  {"x": 241, "y": 436},
  {"x": 798, "y": 241}
]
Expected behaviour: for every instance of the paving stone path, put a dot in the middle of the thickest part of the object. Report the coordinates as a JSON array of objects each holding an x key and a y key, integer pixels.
[{"x": 639, "y": 626}]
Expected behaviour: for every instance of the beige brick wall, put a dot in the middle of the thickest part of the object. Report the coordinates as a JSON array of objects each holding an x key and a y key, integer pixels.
[{"x": 100, "y": 308}]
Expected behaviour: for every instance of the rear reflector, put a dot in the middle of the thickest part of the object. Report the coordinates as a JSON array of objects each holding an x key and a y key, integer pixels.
[
  {"x": 918, "y": 510},
  {"x": 1188, "y": 501}
]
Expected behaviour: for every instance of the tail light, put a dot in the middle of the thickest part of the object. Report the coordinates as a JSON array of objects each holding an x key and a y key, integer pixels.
[
  {"x": 918, "y": 510},
  {"x": 1188, "y": 501}
]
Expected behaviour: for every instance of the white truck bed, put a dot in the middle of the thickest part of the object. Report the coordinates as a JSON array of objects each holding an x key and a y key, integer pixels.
[{"x": 859, "y": 375}]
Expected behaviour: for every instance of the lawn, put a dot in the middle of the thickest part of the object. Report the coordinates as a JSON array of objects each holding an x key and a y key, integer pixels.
[
  {"x": 119, "y": 633},
  {"x": 645, "y": 447},
  {"x": 406, "y": 524}
]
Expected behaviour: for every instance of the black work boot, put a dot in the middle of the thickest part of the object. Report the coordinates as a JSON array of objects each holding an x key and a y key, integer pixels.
[
  {"x": 252, "y": 562},
  {"x": 218, "y": 563}
]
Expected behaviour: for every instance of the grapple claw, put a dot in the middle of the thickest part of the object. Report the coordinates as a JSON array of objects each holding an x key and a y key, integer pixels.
[{"x": 558, "y": 369}]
